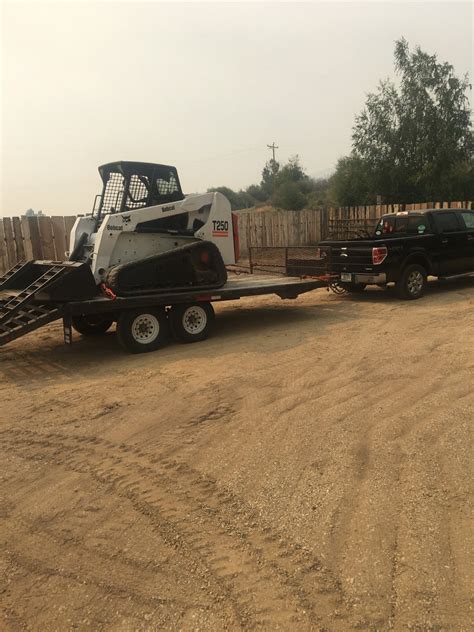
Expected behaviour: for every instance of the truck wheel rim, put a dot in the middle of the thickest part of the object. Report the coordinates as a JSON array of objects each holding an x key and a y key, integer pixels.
[
  {"x": 194, "y": 320},
  {"x": 415, "y": 282},
  {"x": 145, "y": 329}
]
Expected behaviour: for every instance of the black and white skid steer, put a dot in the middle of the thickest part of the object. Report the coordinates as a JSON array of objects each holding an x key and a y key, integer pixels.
[
  {"x": 147, "y": 236},
  {"x": 144, "y": 236}
]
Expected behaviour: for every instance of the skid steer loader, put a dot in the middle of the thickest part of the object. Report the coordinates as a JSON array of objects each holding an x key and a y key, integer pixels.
[{"x": 144, "y": 236}]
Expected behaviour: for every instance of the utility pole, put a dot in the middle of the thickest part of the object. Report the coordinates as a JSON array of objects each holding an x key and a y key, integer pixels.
[{"x": 273, "y": 147}]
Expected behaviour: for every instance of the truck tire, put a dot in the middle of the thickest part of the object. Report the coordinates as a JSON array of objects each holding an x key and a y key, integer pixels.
[
  {"x": 91, "y": 324},
  {"x": 412, "y": 283},
  {"x": 142, "y": 330},
  {"x": 191, "y": 322}
]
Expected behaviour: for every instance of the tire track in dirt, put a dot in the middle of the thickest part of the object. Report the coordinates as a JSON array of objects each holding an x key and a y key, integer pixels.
[
  {"x": 352, "y": 509},
  {"x": 37, "y": 567},
  {"x": 269, "y": 581}
]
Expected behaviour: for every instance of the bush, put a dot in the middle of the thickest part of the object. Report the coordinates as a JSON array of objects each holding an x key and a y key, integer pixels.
[{"x": 289, "y": 197}]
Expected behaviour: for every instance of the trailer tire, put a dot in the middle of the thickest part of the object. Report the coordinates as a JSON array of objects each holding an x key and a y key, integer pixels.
[
  {"x": 91, "y": 324},
  {"x": 191, "y": 322},
  {"x": 143, "y": 330}
]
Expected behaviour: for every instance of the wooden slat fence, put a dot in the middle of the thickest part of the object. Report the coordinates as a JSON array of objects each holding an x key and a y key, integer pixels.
[
  {"x": 43, "y": 237},
  {"x": 304, "y": 228},
  {"x": 35, "y": 237}
]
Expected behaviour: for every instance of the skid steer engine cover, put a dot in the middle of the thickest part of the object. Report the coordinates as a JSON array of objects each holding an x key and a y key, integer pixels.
[{"x": 195, "y": 266}]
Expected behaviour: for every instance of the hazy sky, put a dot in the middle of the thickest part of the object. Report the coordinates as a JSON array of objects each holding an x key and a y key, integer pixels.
[{"x": 203, "y": 86}]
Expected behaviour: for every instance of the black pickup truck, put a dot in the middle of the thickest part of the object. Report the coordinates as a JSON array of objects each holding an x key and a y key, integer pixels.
[{"x": 405, "y": 248}]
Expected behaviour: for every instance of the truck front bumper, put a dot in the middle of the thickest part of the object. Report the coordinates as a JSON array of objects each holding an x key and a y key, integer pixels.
[{"x": 368, "y": 279}]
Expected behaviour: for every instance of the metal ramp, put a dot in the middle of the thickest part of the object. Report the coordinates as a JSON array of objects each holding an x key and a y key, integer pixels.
[{"x": 20, "y": 312}]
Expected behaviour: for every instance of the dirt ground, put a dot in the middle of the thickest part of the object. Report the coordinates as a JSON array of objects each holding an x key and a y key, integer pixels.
[{"x": 306, "y": 468}]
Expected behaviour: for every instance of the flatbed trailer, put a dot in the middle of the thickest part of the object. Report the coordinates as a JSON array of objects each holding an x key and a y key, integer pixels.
[{"x": 145, "y": 322}]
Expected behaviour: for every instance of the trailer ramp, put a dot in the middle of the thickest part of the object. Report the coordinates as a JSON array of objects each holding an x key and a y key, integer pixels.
[{"x": 20, "y": 309}]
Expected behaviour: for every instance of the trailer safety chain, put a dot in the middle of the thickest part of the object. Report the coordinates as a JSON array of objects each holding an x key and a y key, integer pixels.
[
  {"x": 108, "y": 292},
  {"x": 330, "y": 279}
]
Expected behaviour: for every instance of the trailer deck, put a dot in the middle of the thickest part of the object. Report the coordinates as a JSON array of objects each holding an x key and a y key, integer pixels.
[{"x": 236, "y": 287}]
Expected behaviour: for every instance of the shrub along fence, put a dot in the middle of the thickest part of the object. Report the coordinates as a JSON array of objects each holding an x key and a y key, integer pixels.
[{"x": 43, "y": 237}]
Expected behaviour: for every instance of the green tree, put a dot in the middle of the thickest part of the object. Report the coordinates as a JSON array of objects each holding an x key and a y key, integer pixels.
[
  {"x": 292, "y": 186},
  {"x": 289, "y": 196},
  {"x": 288, "y": 187},
  {"x": 318, "y": 193},
  {"x": 351, "y": 184},
  {"x": 238, "y": 199},
  {"x": 412, "y": 142},
  {"x": 257, "y": 193},
  {"x": 291, "y": 172},
  {"x": 269, "y": 176}
]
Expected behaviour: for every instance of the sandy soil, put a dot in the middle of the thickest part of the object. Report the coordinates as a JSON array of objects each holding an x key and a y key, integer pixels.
[{"x": 306, "y": 468}]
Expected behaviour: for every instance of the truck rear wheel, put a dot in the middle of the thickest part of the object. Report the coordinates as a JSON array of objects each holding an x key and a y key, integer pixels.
[
  {"x": 192, "y": 322},
  {"x": 142, "y": 330},
  {"x": 91, "y": 324},
  {"x": 412, "y": 283}
]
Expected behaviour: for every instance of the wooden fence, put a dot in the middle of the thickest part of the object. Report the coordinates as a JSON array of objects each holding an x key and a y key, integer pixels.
[
  {"x": 272, "y": 227},
  {"x": 43, "y": 237},
  {"x": 281, "y": 228},
  {"x": 36, "y": 237}
]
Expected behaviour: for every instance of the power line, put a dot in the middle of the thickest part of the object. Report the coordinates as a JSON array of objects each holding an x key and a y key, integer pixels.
[{"x": 229, "y": 155}]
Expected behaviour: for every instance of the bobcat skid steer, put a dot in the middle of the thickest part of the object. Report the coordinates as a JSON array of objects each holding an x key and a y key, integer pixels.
[{"x": 144, "y": 236}]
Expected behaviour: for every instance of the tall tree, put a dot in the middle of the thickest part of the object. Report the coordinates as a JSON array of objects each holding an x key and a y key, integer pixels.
[
  {"x": 414, "y": 141},
  {"x": 269, "y": 175}
]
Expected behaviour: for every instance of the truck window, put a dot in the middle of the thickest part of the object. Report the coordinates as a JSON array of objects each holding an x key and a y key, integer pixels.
[
  {"x": 386, "y": 226},
  {"x": 468, "y": 217},
  {"x": 401, "y": 224},
  {"x": 446, "y": 222},
  {"x": 418, "y": 225}
]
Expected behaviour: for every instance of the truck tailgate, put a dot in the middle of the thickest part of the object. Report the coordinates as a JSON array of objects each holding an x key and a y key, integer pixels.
[{"x": 346, "y": 255}]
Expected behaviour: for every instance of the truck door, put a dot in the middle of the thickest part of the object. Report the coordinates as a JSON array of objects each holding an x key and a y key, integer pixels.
[
  {"x": 468, "y": 259},
  {"x": 451, "y": 238}
]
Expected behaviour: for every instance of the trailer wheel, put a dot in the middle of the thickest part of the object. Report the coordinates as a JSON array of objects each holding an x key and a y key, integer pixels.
[
  {"x": 91, "y": 324},
  {"x": 142, "y": 330},
  {"x": 192, "y": 322}
]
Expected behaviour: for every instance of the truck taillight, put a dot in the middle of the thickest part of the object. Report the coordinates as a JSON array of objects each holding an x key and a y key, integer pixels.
[{"x": 379, "y": 254}]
